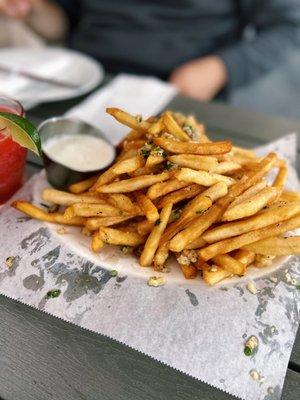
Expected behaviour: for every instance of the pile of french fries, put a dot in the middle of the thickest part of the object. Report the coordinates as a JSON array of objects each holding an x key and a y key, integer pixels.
[{"x": 173, "y": 191}]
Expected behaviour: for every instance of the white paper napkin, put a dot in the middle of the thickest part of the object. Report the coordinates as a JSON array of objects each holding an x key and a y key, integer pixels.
[
  {"x": 135, "y": 94},
  {"x": 196, "y": 329}
]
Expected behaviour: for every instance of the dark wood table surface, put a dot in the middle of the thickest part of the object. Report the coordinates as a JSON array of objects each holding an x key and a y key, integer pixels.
[{"x": 45, "y": 358}]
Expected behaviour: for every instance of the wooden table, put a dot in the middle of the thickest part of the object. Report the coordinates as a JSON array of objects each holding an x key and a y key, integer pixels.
[{"x": 44, "y": 358}]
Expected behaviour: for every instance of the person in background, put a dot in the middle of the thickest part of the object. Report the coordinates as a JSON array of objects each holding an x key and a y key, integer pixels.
[{"x": 204, "y": 48}]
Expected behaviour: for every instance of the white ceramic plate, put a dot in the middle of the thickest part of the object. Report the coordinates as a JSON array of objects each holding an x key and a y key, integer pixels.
[
  {"x": 49, "y": 62},
  {"x": 111, "y": 257}
]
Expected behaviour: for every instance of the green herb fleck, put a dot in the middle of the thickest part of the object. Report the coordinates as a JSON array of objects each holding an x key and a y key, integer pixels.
[
  {"x": 157, "y": 222},
  {"x": 145, "y": 153},
  {"x": 113, "y": 273},
  {"x": 298, "y": 287},
  {"x": 247, "y": 351},
  {"x": 53, "y": 293},
  {"x": 177, "y": 213},
  {"x": 169, "y": 165}
]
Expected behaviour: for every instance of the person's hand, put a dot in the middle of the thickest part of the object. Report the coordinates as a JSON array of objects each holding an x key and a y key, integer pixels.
[
  {"x": 18, "y": 9},
  {"x": 200, "y": 79}
]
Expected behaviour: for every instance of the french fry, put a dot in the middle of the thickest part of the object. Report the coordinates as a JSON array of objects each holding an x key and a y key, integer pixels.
[
  {"x": 189, "y": 271},
  {"x": 194, "y": 208},
  {"x": 280, "y": 181},
  {"x": 194, "y": 229},
  {"x": 177, "y": 147},
  {"x": 163, "y": 188},
  {"x": 246, "y": 257},
  {"x": 134, "y": 144},
  {"x": 144, "y": 227},
  {"x": 252, "y": 205},
  {"x": 95, "y": 222},
  {"x": 173, "y": 127},
  {"x": 122, "y": 202},
  {"x": 206, "y": 163},
  {"x": 181, "y": 194},
  {"x": 67, "y": 199},
  {"x": 147, "y": 207},
  {"x": 252, "y": 191},
  {"x": 96, "y": 243},
  {"x": 202, "y": 177},
  {"x": 37, "y": 213},
  {"x": 128, "y": 165},
  {"x": 129, "y": 120},
  {"x": 153, "y": 160},
  {"x": 228, "y": 245},
  {"x": 196, "y": 244},
  {"x": 230, "y": 264},
  {"x": 105, "y": 178},
  {"x": 82, "y": 186},
  {"x": 93, "y": 210},
  {"x": 152, "y": 242},
  {"x": 263, "y": 167},
  {"x": 156, "y": 127},
  {"x": 289, "y": 196},
  {"x": 281, "y": 177},
  {"x": 125, "y": 154},
  {"x": 266, "y": 218},
  {"x": 133, "y": 184},
  {"x": 276, "y": 246},
  {"x": 119, "y": 237},
  {"x": 226, "y": 167},
  {"x": 215, "y": 274},
  {"x": 243, "y": 152},
  {"x": 161, "y": 257}
]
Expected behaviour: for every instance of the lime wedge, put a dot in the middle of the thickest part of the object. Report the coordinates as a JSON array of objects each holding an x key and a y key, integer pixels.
[{"x": 22, "y": 132}]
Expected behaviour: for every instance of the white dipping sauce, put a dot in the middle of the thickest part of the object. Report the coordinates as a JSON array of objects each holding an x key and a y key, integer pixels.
[{"x": 82, "y": 153}]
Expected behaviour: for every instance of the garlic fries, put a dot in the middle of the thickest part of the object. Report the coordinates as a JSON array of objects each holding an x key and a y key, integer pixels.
[{"x": 173, "y": 191}]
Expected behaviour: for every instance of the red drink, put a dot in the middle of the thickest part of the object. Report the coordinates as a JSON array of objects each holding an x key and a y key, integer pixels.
[{"x": 12, "y": 155}]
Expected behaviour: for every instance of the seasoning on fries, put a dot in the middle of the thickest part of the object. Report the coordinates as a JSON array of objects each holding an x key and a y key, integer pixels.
[{"x": 172, "y": 191}]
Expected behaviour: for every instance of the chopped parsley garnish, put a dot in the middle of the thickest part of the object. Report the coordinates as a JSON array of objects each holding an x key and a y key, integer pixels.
[
  {"x": 53, "y": 293},
  {"x": 157, "y": 222},
  {"x": 113, "y": 273},
  {"x": 298, "y": 287},
  {"x": 169, "y": 166},
  {"x": 177, "y": 213},
  {"x": 145, "y": 153},
  {"x": 146, "y": 150},
  {"x": 247, "y": 351}
]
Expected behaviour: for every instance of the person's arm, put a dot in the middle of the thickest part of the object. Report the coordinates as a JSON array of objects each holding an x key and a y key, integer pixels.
[
  {"x": 48, "y": 19},
  {"x": 277, "y": 23},
  {"x": 44, "y": 16}
]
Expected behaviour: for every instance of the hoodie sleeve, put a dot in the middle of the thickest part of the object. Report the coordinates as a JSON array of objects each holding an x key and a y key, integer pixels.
[{"x": 276, "y": 25}]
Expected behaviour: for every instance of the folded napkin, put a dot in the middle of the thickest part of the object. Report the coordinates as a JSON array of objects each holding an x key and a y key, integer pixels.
[
  {"x": 196, "y": 329},
  {"x": 135, "y": 94}
]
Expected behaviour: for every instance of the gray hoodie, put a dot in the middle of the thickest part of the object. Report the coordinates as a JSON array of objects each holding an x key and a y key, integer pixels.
[{"x": 156, "y": 36}]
